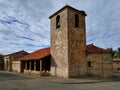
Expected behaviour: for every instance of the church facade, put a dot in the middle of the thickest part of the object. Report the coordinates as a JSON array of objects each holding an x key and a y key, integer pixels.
[
  {"x": 68, "y": 45},
  {"x": 68, "y": 55}
]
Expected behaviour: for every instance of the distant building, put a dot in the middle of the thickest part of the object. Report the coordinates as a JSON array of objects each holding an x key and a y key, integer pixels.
[
  {"x": 116, "y": 64},
  {"x": 8, "y": 60},
  {"x": 1, "y": 63}
]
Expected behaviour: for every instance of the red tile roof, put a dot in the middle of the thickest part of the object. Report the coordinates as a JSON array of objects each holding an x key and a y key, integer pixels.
[
  {"x": 116, "y": 59},
  {"x": 39, "y": 54},
  {"x": 94, "y": 49}
]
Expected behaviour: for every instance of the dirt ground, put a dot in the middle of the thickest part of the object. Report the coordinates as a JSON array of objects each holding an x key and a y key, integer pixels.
[{"x": 11, "y": 81}]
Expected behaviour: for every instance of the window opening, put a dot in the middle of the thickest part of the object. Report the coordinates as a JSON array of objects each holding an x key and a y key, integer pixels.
[{"x": 58, "y": 21}]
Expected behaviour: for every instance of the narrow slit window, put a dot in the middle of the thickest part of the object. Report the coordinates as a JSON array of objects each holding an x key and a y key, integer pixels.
[
  {"x": 76, "y": 20},
  {"x": 89, "y": 64},
  {"x": 58, "y": 21}
]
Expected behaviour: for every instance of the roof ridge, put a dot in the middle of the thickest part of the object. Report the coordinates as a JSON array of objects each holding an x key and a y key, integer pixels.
[
  {"x": 16, "y": 52},
  {"x": 40, "y": 49},
  {"x": 91, "y": 48},
  {"x": 41, "y": 53}
]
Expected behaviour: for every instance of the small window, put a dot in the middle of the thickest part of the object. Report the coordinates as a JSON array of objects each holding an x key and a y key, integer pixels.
[
  {"x": 89, "y": 64},
  {"x": 86, "y": 52},
  {"x": 58, "y": 21},
  {"x": 76, "y": 20}
]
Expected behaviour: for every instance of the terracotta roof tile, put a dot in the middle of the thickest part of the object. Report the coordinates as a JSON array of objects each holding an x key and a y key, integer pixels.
[
  {"x": 116, "y": 59},
  {"x": 94, "y": 49},
  {"x": 39, "y": 54}
]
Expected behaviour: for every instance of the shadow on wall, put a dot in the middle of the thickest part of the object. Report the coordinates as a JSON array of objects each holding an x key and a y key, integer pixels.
[
  {"x": 54, "y": 65},
  {"x": 1, "y": 63}
]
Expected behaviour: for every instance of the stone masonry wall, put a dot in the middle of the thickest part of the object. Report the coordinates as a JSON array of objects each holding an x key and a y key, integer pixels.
[
  {"x": 59, "y": 46},
  {"x": 101, "y": 64},
  {"x": 68, "y": 45},
  {"x": 16, "y": 66},
  {"x": 116, "y": 66},
  {"x": 10, "y": 58},
  {"x": 76, "y": 45}
]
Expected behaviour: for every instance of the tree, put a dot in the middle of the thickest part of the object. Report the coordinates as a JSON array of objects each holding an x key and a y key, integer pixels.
[
  {"x": 1, "y": 56},
  {"x": 116, "y": 54},
  {"x": 119, "y": 52},
  {"x": 111, "y": 51}
]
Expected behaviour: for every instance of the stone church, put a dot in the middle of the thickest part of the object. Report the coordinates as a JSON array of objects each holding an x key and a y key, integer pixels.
[
  {"x": 68, "y": 55},
  {"x": 68, "y": 43}
]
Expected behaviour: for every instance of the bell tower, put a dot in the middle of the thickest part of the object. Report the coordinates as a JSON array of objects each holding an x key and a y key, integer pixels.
[{"x": 68, "y": 43}]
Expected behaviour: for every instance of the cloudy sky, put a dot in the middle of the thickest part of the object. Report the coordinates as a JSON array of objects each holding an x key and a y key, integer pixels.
[{"x": 24, "y": 24}]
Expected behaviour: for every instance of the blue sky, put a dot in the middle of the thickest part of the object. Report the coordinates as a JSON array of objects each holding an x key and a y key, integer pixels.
[{"x": 24, "y": 24}]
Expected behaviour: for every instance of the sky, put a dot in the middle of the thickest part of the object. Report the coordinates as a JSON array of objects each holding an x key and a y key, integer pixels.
[{"x": 25, "y": 24}]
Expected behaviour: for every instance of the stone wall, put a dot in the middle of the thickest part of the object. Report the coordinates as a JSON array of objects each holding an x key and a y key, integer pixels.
[
  {"x": 59, "y": 46},
  {"x": 116, "y": 66},
  {"x": 76, "y": 44},
  {"x": 68, "y": 45},
  {"x": 11, "y": 57},
  {"x": 7, "y": 63},
  {"x": 101, "y": 64},
  {"x": 16, "y": 66}
]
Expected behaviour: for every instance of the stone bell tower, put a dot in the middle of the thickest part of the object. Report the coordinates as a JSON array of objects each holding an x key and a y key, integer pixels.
[{"x": 68, "y": 43}]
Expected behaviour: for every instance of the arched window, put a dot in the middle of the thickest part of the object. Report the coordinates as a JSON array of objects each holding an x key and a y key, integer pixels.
[
  {"x": 89, "y": 64},
  {"x": 58, "y": 21},
  {"x": 76, "y": 20}
]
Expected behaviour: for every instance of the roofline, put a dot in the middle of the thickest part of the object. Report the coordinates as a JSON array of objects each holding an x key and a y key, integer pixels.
[
  {"x": 33, "y": 59},
  {"x": 33, "y": 52},
  {"x": 67, "y": 6},
  {"x": 98, "y": 52},
  {"x": 105, "y": 50},
  {"x": 116, "y": 60},
  {"x": 39, "y": 49},
  {"x": 15, "y": 53},
  {"x": 96, "y": 46}
]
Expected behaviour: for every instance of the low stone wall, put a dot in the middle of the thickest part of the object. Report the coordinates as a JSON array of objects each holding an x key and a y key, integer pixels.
[{"x": 36, "y": 73}]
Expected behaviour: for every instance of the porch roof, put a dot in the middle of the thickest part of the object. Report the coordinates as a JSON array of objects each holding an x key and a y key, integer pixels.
[
  {"x": 91, "y": 48},
  {"x": 42, "y": 53},
  {"x": 39, "y": 54}
]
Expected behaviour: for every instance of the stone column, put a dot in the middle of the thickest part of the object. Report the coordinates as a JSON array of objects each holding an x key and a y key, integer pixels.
[
  {"x": 34, "y": 65},
  {"x": 30, "y": 66},
  {"x": 25, "y": 65},
  {"x": 40, "y": 67},
  {"x": 25, "y": 70}
]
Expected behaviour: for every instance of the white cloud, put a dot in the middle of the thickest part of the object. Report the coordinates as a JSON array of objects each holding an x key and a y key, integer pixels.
[{"x": 31, "y": 31}]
